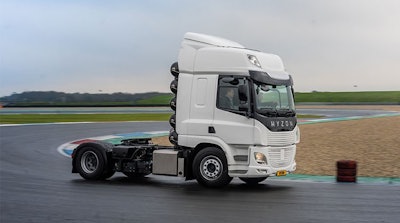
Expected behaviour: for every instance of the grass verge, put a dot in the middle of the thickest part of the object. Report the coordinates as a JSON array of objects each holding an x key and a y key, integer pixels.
[
  {"x": 350, "y": 97},
  {"x": 50, "y": 118}
]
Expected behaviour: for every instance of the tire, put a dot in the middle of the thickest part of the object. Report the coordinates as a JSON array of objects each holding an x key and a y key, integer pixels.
[
  {"x": 346, "y": 164},
  {"x": 107, "y": 175},
  {"x": 346, "y": 172},
  {"x": 109, "y": 172},
  {"x": 210, "y": 168},
  {"x": 90, "y": 164},
  {"x": 349, "y": 179},
  {"x": 252, "y": 181}
]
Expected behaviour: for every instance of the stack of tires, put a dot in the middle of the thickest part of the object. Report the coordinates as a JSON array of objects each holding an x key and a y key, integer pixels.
[
  {"x": 173, "y": 135},
  {"x": 346, "y": 171}
]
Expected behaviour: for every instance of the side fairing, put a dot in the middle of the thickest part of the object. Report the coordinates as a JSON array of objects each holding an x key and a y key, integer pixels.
[{"x": 195, "y": 105}]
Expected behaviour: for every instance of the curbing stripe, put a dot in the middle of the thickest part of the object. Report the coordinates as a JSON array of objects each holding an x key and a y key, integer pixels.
[
  {"x": 332, "y": 179},
  {"x": 67, "y": 148},
  {"x": 315, "y": 121}
]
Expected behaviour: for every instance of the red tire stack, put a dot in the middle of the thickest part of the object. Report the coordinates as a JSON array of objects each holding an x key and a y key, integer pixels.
[{"x": 346, "y": 171}]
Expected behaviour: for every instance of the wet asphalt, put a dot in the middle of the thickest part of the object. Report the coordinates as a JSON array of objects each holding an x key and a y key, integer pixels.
[{"x": 36, "y": 185}]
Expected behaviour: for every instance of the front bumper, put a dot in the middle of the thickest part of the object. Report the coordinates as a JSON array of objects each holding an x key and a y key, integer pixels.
[{"x": 278, "y": 159}]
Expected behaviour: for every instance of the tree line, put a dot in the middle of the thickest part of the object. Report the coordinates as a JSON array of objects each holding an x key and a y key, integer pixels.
[{"x": 54, "y": 98}]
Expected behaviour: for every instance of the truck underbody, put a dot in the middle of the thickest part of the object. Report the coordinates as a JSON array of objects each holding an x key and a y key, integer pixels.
[{"x": 133, "y": 157}]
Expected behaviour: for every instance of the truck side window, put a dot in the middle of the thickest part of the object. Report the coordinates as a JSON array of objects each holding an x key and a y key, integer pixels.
[{"x": 228, "y": 93}]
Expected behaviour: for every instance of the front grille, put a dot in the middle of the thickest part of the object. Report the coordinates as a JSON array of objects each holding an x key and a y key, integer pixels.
[
  {"x": 280, "y": 157},
  {"x": 281, "y": 138}
]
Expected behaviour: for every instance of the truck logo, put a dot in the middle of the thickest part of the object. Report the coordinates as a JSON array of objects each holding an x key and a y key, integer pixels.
[
  {"x": 277, "y": 124},
  {"x": 281, "y": 123}
]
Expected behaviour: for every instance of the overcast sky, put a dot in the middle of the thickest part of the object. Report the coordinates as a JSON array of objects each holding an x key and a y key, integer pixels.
[{"x": 128, "y": 46}]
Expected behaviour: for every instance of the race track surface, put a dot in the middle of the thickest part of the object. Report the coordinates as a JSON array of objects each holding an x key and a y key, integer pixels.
[{"x": 37, "y": 186}]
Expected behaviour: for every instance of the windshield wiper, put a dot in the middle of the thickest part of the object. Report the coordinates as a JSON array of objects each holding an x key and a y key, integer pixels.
[
  {"x": 271, "y": 112},
  {"x": 286, "y": 112}
]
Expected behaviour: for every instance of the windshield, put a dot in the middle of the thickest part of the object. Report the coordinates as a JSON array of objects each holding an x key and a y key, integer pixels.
[{"x": 274, "y": 100}]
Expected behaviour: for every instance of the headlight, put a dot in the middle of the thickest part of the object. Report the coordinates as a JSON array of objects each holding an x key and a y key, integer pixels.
[
  {"x": 253, "y": 60},
  {"x": 260, "y": 158}
]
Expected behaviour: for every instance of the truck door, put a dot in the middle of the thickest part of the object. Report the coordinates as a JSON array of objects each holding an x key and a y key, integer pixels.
[{"x": 231, "y": 122}]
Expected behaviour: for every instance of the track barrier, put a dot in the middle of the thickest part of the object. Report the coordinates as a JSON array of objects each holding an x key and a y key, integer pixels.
[{"x": 346, "y": 171}]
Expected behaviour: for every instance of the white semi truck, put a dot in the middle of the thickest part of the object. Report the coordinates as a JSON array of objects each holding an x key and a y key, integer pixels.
[{"x": 234, "y": 117}]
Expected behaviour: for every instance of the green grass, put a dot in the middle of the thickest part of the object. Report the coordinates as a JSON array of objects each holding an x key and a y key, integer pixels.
[
  {"x": 156, "y": 100},
  {"x": 348, "y": 97},
  {"x": 310, "y": 116},
  {"x": 73, "y": 104},
  {"x": 50, "y": 118}
]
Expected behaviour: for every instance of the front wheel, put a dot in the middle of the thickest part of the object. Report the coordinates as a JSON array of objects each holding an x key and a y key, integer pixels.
[
  {"x": 211, "y": 168},
  {"x": 252, "y": 181}
]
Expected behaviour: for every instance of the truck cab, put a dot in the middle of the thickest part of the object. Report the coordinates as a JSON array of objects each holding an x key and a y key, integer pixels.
[{"x": 239, "y": 101}]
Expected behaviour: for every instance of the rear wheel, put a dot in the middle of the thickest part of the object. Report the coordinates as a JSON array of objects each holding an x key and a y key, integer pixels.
[
  {"x": 108, "y": 174},
  {"x": 252, "y": 181},
  {"x": 210, "y": 168},
  {"x": 90, "y": 164},
  {"x": 109, "y": 170}
]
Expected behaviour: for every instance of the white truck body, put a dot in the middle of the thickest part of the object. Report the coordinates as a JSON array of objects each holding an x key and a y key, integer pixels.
[{"x": 234, "y": 117}]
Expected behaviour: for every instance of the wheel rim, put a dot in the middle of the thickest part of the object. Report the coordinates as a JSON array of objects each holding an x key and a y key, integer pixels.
[
  {"x": 211, "y": 168},
  {"x": 89, "y": 162}
]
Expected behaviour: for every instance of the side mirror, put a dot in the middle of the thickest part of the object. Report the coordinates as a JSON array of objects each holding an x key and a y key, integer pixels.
[
  {"x": 243, "y": 93},
  {"x": 243, "y": 108},
  {"x": 230, "y": 80},
  {"x": 227, "y": 79}
]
